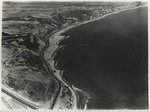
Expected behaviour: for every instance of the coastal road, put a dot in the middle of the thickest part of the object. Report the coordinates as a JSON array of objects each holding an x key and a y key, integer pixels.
[
  {"x": 51, "y": 45},
  {"x": 61, "y": 81},
  {"x": 50, "y": 71}
]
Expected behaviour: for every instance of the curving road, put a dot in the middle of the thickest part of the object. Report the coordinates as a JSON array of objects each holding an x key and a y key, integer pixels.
[
  {"x": 50, "y": 71},
  {"x": 61, "y": 81}
]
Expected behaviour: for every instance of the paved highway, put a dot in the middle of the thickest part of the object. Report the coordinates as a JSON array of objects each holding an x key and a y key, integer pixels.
[{"x": 27, "y": 103}]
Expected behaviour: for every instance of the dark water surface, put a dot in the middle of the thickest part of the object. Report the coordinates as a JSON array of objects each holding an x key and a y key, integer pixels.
[{"x": 108, "y": 58}]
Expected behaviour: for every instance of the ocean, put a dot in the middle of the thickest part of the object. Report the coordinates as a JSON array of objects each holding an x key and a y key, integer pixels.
[{"x": 108, "y": 59}]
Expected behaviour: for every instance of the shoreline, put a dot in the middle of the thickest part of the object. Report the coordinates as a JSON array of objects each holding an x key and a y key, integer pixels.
[
  {"x": 54, "y": 47},
  {"x": 95, "y": 19}
]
